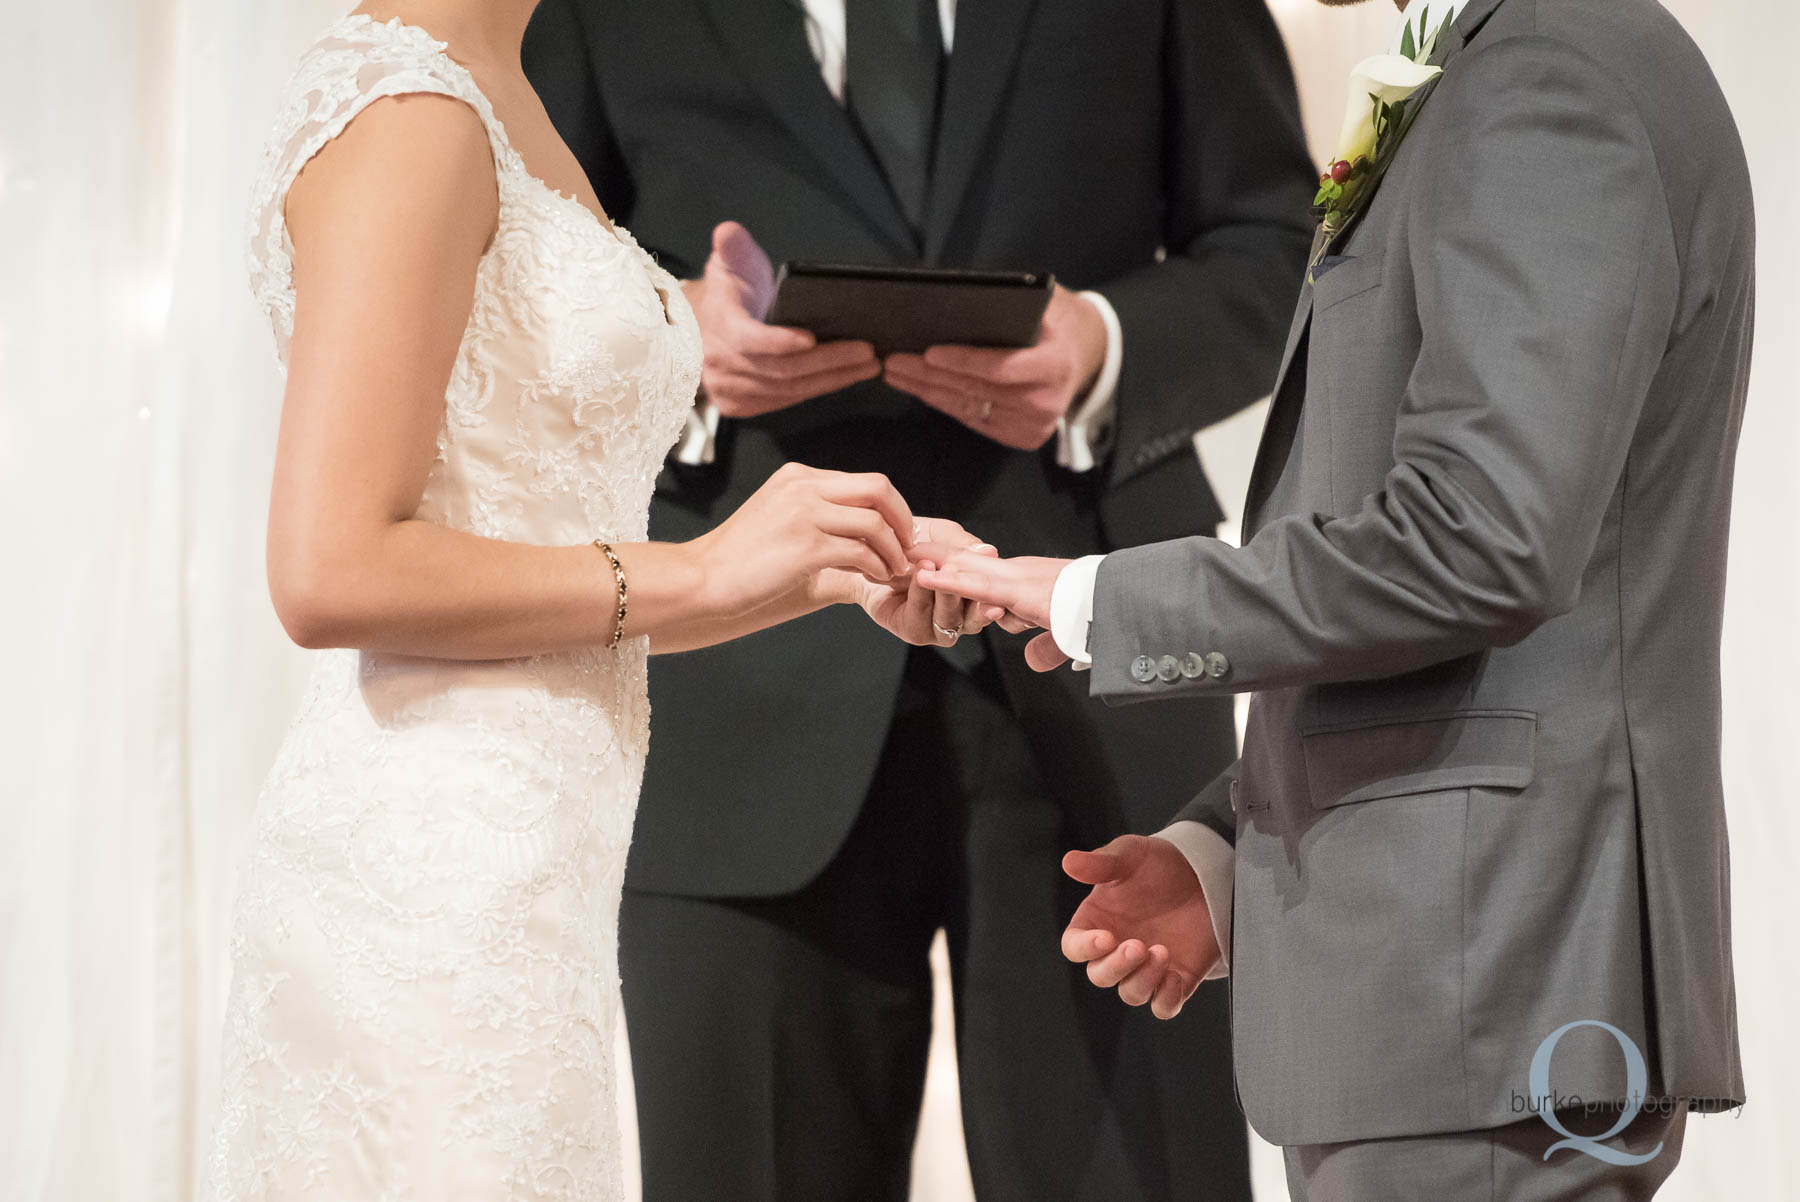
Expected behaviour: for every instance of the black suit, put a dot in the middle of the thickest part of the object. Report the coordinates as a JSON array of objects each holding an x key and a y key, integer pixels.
[{"x": 1085, "y": 139}]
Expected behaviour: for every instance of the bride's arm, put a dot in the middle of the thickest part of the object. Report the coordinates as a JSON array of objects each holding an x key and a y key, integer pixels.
[{"x": 389, "y": 223}]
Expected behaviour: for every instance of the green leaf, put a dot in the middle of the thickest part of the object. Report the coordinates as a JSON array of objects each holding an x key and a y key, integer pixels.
[
  {"x": 1408, "y": 48},
  {"x": 1324, "y": 194}
]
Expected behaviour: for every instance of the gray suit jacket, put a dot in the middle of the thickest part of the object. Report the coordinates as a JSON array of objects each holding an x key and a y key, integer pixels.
[{"x": 1479, "y": 603}]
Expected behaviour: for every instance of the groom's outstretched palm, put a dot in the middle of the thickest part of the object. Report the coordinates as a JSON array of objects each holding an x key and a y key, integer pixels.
[{"x": 1145, "y": 927}]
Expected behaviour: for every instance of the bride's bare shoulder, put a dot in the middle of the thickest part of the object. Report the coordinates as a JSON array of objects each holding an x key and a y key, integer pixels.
[{"x": 413, "y": 169}]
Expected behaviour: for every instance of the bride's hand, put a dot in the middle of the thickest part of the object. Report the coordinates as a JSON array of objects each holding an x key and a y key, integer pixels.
[
  {"x": 800, "y": 531},
  {"x": 915, "y": 614}
]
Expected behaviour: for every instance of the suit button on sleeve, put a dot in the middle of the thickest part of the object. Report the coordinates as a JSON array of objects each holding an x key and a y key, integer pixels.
[
  {"x": 1193, "y": 665},
  {"x": 1143, "y": 669},
  {"x": 1217, "y": 666},
  {"x": 1168, "y": 669}
]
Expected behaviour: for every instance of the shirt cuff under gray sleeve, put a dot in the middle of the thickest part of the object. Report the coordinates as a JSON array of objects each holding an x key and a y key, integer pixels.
[
  {"x": 1072, "y": 608},
  {"x": 1214, "y": 862}
]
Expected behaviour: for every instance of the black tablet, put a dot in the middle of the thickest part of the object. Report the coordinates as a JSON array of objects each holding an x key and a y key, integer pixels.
[{"x": 911, "y": 308}]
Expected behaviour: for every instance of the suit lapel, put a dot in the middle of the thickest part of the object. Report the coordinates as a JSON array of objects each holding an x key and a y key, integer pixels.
[
  {"x": 989, "y": 34},
  {"x": 1279, "y": 429},
  {"x": 768, "y": 39},
  {"x": 1467, "y": 24},
  {"x": 1277, "y": 434}
]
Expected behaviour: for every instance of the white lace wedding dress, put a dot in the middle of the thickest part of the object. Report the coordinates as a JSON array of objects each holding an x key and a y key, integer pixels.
[{"x": 424, "y": 950}]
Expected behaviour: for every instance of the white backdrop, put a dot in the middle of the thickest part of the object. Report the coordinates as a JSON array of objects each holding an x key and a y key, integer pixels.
[{"x": 150, "y": 682}]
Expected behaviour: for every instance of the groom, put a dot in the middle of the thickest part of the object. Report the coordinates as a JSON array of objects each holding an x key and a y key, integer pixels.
[{"x": 1469, "y": 875}]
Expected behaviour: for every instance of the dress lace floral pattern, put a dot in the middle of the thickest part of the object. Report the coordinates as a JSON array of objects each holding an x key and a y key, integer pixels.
[{"x": 424, "y": 950}]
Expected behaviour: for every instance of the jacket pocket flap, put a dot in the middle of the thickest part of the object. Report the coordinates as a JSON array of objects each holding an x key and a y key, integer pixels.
[
  {"x": 1341, "y": 277},
  {"x": 1360, "y": 761}
]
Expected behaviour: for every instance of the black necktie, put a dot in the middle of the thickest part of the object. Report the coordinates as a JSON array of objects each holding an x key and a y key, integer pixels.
[{"x": 894, "y": 64}]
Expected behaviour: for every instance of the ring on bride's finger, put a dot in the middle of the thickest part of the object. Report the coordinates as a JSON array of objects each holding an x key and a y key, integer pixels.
[{"x": 948, "y": 633}]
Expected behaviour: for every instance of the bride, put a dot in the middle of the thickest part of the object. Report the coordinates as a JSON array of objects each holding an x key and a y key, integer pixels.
[{"x": 483, "y": 376}]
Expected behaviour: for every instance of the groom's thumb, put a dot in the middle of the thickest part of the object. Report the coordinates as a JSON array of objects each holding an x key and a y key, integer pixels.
[{"x": 1109, "y": 863}]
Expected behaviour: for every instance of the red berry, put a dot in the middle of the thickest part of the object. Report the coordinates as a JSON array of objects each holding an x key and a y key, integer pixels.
[{"x": 1340, "y": 171}]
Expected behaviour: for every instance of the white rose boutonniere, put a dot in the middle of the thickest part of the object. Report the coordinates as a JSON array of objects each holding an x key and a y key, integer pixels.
[{"x": 1380, "y": 110}]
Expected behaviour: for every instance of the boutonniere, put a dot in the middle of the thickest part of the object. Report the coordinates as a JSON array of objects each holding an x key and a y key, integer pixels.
[{"x": 1381, "y": 109}]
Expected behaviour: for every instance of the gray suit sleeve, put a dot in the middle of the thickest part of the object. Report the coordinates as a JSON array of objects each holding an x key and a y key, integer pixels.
[{"x": 1546, "y": 275}]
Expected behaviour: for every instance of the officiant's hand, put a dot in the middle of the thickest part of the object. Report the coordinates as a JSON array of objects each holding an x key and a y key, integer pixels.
[
  {"x": 1145, "y": 928},
  {"x": 1019, "y": 589},
  {"x": 916, "y": 614},
  {"x": 750, "y": 368},
  {"x": 1014, "y": 397}
]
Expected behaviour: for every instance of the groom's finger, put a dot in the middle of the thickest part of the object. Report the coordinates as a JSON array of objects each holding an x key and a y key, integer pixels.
[
  {"x": 1042, "y": 654},
  {"x": 1080, "y": 945},
  {"x": 1144, "y": 980},
  {"x": 977, "y": 579},
  {"x": 1176, "y": 988},
  {"x": 940, "y": 551},
  {"x": 1110, "y": 969}
]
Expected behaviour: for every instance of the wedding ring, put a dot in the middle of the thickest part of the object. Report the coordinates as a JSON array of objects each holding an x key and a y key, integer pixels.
[{"x": 952, "y": 635}]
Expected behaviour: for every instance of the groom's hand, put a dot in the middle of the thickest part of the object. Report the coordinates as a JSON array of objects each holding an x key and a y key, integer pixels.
[
  {"x": 1020, "y": 587},
  {"x": 1145, "y": 928},
  {"x": 750, "y": 368},
  {"x": 908, "y": 609}
]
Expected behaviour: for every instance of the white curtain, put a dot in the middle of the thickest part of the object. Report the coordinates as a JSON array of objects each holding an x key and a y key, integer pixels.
[{"x": 150, "y": 683}]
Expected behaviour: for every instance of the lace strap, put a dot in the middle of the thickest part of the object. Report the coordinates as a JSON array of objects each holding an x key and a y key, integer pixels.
[{"x": 357, "y": 62}]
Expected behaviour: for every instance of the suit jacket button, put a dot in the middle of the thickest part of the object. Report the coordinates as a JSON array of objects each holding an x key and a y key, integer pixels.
[
  {"x": 1193, "y": 665},
  {"x": 1143, "y": 669},
  {"x": 1217, "y": 666},
  {"x": 1168, "y": 669}
]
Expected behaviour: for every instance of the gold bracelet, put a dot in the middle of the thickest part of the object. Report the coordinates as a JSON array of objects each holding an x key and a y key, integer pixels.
[{"x": 619, "y": 575}]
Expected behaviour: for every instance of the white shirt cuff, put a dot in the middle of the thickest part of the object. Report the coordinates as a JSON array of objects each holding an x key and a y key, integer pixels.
[
  {"x": 696, "y": 447},
  {"x": 1083, "y": 432},
  {"x": 1072, "y": 608},
  {"x": 1214, "y": 862}
]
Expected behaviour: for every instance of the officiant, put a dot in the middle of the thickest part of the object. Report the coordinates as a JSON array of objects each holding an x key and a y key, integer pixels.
[{"x": 821, "y": 799}]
